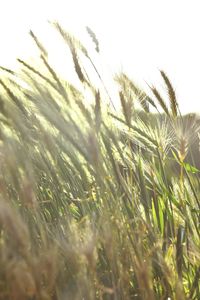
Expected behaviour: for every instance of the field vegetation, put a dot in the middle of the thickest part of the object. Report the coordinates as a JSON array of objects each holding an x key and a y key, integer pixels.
[{"x": 96, "y": 203}]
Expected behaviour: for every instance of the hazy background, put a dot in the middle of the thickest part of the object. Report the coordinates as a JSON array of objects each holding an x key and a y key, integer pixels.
[{"x": 138, "y": 37}]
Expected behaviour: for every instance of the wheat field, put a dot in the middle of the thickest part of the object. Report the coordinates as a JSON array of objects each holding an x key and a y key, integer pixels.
[{"x": 95, "y": 203}]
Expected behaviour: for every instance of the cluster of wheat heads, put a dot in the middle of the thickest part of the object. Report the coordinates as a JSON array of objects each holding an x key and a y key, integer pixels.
[{"x": 90, "y": 207}]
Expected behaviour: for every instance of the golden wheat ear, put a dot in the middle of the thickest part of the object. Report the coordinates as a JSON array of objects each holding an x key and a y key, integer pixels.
[
  {"x": 39, "y": 44},
  {"x": 160, "y": 100},
  {"x": 93, "y": 37},
  {"x": 171, "y": 94}
]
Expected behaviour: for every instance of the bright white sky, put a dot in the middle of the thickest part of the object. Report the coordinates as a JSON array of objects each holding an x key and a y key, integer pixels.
[{"x": 136, "y": 36}]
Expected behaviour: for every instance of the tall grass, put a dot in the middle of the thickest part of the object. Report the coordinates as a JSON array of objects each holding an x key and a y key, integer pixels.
[{"x": 95, "y": 203}]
